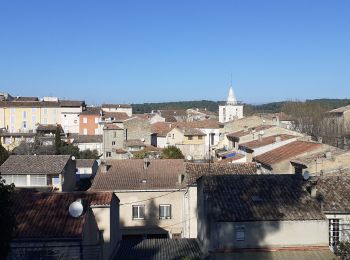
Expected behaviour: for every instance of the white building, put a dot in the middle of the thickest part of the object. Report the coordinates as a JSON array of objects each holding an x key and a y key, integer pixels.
[{"x": 232, "y": 110}]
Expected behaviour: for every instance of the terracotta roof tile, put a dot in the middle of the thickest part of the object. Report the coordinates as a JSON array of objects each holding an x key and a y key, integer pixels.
[
  {"x": 38, "y": 164},
  {"x": 287, "y": 152},
  {"x": 128, "y": 175},
  {"x": 197, "y": 170},
  {"x": 112, "y": 127},
  {"x": 85, "y": 162},
  {"x": 133, "y": 142},
  {"x": 91, "y": 111},
  {"x": 45, "y": 215},
  {"x": 266, "y": 141},
  {"x": 88, "y": 139},
  {"x": 117, "y": 116},
  {"x": 273, "y": 197},
  {"x": 72, "y": 103},
  {"x": 116, "y": 106},
  {"x": 257, "y": 129}
]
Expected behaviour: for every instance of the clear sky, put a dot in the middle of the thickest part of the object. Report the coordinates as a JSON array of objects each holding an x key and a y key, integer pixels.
[{"x": 151, "y": 51}]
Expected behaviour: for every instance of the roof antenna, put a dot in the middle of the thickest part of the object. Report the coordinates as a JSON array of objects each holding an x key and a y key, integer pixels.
[{"x": 231, "y": 80}]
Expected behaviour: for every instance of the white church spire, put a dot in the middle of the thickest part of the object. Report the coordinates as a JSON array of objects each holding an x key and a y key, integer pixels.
[{"x": 231, "y": 99}]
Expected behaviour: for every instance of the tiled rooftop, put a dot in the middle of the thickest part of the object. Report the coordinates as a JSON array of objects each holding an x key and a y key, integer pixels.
[
  {"x": 256, "y": 129},
  {"x": 45, "y": 215},
  {"x": 266, "y": 141},
  {"x": 116, "y": 106},
  {"x": 88, "y": 139},
  {"x": 38, "y": 164},
  {"x": 129, "y": 175},
  {"x": 287, "y": 152},
  {"x": 117, "y": 116},
  {"x": 159, "y": 249},
  {"x": 85, "y": 163},
  {"x": 270, "y": 197},
  {"x": 197, "y": 170}
]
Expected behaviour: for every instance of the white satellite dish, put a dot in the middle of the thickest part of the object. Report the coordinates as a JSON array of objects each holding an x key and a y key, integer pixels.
[
  {"x": 306, "y": 175},
  {"x": 76, "y": 209},
  {"x": 189, "y": 157},
  {"x": 262, "y": 132}
]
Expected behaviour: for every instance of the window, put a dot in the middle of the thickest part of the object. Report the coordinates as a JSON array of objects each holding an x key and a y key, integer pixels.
[
  {"x": 96, "y": 120},
  {"x": 173, "y": 136},
  {"x": 190, "y": 137},
  {"x": 33, "y": 120},
  {"x": 334, "y": 232},
  {"x": 138, "y": 212},
  {"x": 24, "y": 124},
  {"x": 45, "y": 121},
  {"x": 33, "y": 110},
  {"x": 75, "y": 121},
  {"x": 96, "y": 131},
  {"x": 108, "y": 154},
  {"x": 165, "y": 211},
  {"x": 240, "y": 233},
  {"x": 113, "y": 142},
  {"x": 56, "y": 180},
  {"x": 38, "y": 180},
  {"x": 212, "y": 136},
  {"x": 45, "y": 111},
  {"x": 200, "y": 137},
  {"x": 24, "y": 114},
  {"x": 85, "y": 120},
  {"x": 18, "y": 180},
  {"x": 85, "y": 131}
]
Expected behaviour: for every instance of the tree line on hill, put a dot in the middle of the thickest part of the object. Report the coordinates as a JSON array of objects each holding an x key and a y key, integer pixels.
[{"x": 249, "y": 109}]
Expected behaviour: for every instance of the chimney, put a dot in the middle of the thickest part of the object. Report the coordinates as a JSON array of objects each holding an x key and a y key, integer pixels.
[
  {"x": 181, "y": 177},
  {"x": 260, "y": 137},
  {"x": 104, "y": 167},
  {"x": 146, "y": 163},
  {"x": 319, "y": 139},
  {"x": 278, "y": 139},
  {"x": 313, "y": 191},
  {"x": 328, "y": 155}
]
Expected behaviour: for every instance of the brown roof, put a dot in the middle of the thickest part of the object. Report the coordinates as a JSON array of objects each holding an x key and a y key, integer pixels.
[
  {"x": 50, "y": 128},
  {"x": 334, "y": 192},
  {"x": 286, "y": 152},
  {"x": 118, "y": 116},
  {"x": 197, "y": 170},
  {"x": 112, "y": 127},
  {"x": 88, "y": 139},
  {"x": 191, "y": 131},
  {"x": 128, "y": 175},
  {"x": 172, "y": 112},
  {"x": 29, "y": 104},
  {"x": 266, "y": 141},
  {"x": 18, "y": 134},
  {"x": 81, "y": 163},
  {"x": 91, "y": 111},
  {"x": 38, "y": 164},
  {"x": 270, "y": 197},
  {"x": 116, "y": 106},
  {"x": 163, "y": 128},
  {"x": 45, "y": 215},
  {"x": 72, "y": 103},
  {"x": 133, "y": 142},
  {"x": 249, "y": 131}
]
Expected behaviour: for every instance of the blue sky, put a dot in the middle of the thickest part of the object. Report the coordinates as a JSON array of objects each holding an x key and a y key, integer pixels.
[{"x": 154, "y": 51}]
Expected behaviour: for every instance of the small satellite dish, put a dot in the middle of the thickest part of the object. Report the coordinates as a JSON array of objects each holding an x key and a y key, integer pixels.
[
  {"x": 262, "y": 132},
  {"x": 306, "y": 175},
  {"x": 76, "y": 209},
  {"x": 142, "y": 139},
  {"x": 189, "y": 157},
  {"x": 73, "y": 158}
]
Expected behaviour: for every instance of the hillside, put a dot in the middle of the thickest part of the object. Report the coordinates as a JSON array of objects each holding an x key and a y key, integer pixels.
[{"x": 272, "y": 107}]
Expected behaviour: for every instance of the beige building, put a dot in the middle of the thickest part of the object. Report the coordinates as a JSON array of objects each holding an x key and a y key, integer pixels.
[
  {"x": 279, "y": 160},
  {"x": 154, "y": 200},
  {"x": 65, "y": 225},
  {"x": 190, "y": 141},
  {"x": 44, "y": 172},
  {"x": 239, "y": 214}
]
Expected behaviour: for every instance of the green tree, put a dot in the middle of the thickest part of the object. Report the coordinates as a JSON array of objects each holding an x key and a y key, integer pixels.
[
  {"x": 4, "y": 154},
  {"x": 172, "y": 152},
  {"x": 7, "y": 217},
  {"x": 58, "y": 141},
  {"x": 69, "y": 149},
  {"x": 88, "y": 154}
]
